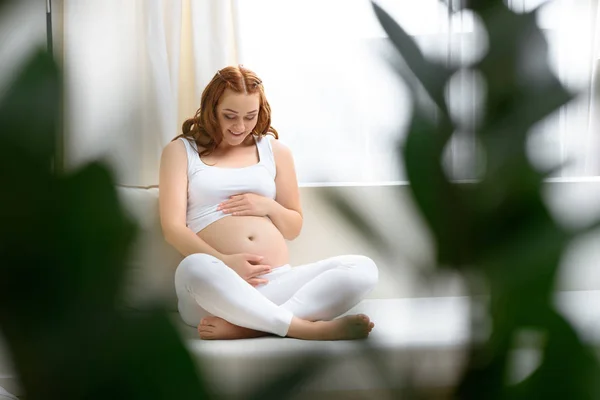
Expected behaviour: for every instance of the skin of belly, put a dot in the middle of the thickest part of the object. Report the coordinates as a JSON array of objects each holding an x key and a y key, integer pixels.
[{"x": 246, "y": 234}]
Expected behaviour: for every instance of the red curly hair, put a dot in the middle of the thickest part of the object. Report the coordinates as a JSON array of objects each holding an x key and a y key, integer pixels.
[{"x": 204, "y": 127}]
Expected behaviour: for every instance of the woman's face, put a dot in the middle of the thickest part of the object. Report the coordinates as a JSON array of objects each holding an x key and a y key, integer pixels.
[{"x": 237, "y": 114}]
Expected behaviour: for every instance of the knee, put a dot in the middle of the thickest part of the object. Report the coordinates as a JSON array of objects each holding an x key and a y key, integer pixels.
[
  {"x": 196, "y": 267},
  {"x": 367, "y": 273}
]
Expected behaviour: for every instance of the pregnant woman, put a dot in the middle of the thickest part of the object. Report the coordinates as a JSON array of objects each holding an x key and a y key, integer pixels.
[{"x": 229, "y": 200}]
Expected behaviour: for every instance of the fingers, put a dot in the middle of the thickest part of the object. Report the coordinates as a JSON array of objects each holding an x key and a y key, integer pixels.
[
  {"x": 256, "y": 281},
  {"x": 260, "y": 270},
  {"x": 253, "y": 257},
  {"x": 233, "y": 201},
  {"x": 236, "y": 210},
  {"x": 226, "y": 205},
  {"x": 257, "y": 269}
]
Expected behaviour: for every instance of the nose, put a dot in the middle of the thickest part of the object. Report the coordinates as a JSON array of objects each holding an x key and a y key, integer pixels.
[{"x": 238, "y": 127}]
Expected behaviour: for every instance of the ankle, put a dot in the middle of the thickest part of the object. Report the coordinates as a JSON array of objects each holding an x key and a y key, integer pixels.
[{"x": 310, "y": 330}]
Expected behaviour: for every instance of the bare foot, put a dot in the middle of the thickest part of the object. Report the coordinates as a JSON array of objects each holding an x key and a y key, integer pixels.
[
  {"x": 215, "y": 328},
  {"x": 349, "y": 327}
]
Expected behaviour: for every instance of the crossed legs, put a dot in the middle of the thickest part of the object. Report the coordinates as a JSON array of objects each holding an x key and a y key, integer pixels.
[{"x": 297, "y": 302}]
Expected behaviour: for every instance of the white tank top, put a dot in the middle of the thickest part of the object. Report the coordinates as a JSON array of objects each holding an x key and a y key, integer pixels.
[{"x": 208, "y": 186}]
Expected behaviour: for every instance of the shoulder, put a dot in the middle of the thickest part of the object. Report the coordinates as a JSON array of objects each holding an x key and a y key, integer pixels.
[
  {"x": 173, "y": 167},
  {"x": 280, "y": 150},
  {"x": 174, "y": 149},
  {"x": 179, "y": 147},
  {"x": 284, "y": 160}
]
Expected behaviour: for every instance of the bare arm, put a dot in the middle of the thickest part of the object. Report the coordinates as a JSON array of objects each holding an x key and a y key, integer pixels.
[
  {"x": 286, "y": 211},
  {"x": 172, "y": 200}
]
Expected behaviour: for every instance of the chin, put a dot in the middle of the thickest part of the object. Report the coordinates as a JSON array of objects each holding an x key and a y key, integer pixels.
[{"x": 234, "y": 140}]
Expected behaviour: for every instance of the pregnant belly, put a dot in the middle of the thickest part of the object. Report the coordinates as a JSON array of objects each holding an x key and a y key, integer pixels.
[{"x": 244, "y": 234}]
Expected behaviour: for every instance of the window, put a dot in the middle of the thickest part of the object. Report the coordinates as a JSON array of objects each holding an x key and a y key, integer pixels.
[{"x": 337, "y": 102}]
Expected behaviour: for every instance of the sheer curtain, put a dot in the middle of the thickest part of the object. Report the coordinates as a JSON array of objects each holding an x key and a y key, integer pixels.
[
  {"x": 593, "y": 133},
  {"x": 22, "y": 31},
  {"x": 342, "y": 109},
  {"x": 571, "y": 136},
  {"x": 134, "y": 71}
]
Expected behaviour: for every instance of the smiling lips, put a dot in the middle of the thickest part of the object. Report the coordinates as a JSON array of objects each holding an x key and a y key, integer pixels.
[{"x": 236, "y": 134}]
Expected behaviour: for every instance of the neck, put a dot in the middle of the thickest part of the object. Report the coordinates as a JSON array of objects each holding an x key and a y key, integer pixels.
[{"x": 225, "y": 147}]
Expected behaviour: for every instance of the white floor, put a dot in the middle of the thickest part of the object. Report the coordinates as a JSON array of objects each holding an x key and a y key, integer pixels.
[
  {"x": 417, "y": 340},
  {"x": 4, "y": 395},
  {"x": 422, "y": 339}
]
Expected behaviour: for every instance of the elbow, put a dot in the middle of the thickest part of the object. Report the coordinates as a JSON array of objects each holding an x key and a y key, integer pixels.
[
  {"x": 292, "y": 234},
  {"x": 167, "y": 236}
]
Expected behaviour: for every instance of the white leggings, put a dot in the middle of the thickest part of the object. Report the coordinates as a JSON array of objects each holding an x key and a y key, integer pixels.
[{"x": 317, "y": 291}]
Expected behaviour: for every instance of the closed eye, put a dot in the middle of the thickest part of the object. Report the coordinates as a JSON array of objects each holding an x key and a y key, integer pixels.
[{"x": 232, "y": 117}]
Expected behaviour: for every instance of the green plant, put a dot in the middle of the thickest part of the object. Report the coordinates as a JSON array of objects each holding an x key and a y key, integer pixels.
[
  {"x": 63, "y": 243},
  {"x": 497, "y": 230},
  {"x": 64, "y": 239}
]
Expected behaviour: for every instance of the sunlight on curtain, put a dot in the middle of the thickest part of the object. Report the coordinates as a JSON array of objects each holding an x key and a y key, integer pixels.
[
  {"x": 134, "y": 71},
  {"x": 22, "y": 31},
  {"x": 567, "y": 136},
  {"x": 121, "y": 73},
  {"x": 341, "y": 108}
]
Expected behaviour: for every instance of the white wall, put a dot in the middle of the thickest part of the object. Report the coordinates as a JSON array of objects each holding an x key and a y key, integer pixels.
[
  {"x": 575, "y": 203},
  {"x": 405, "y": 273},
  {"x": 325, "y": 233}
]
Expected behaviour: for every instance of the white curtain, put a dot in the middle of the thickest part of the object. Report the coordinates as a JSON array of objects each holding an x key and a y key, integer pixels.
[
  {"x": 334, "y": 102},
  {"x": 593, "y": 133},
  {"x": 22, "y": 31},
  {"x": 341, "y": 108},
  {"x": 136, "y": 69},
  {"x": 571, "y": 136},
  {"x": 134, "y": 72}
]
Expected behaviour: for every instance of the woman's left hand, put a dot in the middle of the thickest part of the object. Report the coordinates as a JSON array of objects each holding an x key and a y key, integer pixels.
[{"x": 247, "y": 204}]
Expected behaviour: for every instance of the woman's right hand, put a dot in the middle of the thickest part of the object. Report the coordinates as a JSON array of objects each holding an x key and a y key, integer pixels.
[{"x": 247, "y": 266}]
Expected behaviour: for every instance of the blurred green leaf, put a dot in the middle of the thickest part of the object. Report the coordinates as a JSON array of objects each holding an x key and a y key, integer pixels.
[
  {"x": 499, "y": 227},
  {"x": 359, "y": 222},
  {"x": 29, "y": 114},
  {"x": 439, "y": 201},
  {"x": 63, "y": 244},
  {"x": 100, "y": 236},
  {"x": 577, "y": 379},
  {"x": 480, "y": 6},
  {"x": 432, "y": 76},
  {"x": 589, "y": 228},
  {"x": 522, "y": 88},
  {"x": 289, "y": 382}
]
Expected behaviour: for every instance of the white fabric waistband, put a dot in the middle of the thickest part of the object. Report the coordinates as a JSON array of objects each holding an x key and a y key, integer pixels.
[{"x": 277, "y": 271}]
